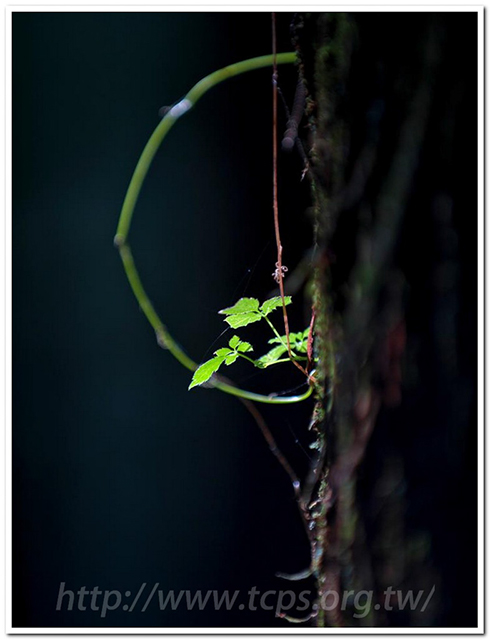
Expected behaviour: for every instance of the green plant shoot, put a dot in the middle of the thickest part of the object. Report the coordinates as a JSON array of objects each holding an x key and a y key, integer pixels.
[
  {"x": 244, "y": 312},
  {"x": 240, "y": 316}
]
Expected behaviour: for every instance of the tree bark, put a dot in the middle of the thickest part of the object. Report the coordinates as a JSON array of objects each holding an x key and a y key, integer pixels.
[{"x": 391, "y": 141}]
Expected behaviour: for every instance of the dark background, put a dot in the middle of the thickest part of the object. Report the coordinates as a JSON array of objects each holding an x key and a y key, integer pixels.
[{"x": 120, "y": 475}]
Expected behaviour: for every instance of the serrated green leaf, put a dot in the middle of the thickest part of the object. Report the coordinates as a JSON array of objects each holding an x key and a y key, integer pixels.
[
  {"x": 231, "y": 358},
  {"x": 206, "y": 370},
  {"x": 299, "y": 347},
  {"x": 281, "y": 339},
  {"x": 244, "y": 347},
  {"x": 244, "y": 305},
  {"x": 234, "y": 342},
  {"x": 299, "y": 344},
  {"x": 242, "y": 319},
  {"x": 298, "y": 341},
  {"x": 272, "y": 356},
  {"x": 274, "y": 303},
  {"x": 224, "y": 351}
]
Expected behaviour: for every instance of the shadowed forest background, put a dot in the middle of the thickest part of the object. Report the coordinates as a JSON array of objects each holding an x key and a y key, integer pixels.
[{"x": 120, "y": 475}]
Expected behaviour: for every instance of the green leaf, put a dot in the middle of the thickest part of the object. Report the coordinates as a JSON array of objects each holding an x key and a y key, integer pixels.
[
  {"x": 238, "y": 345},
  {"x": 281, "y": 339},
  {"x": 274, "y": 303},
  {"x": 244, "y": 305},
  {"x": 242, "y": 319},
  {"x": 244, "y": 347},
  {"x": 223, "y": 352},
  {"x": 298, "y": 341},
  {"x": 272, "y": 356},
  {"x": 231, "y": 358},
  {"x": 299, "y": 347},
  {"x": 206, "y": 370}
]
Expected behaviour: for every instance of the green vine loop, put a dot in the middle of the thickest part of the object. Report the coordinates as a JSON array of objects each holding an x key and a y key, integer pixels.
[{"x": 164, "y": 338}]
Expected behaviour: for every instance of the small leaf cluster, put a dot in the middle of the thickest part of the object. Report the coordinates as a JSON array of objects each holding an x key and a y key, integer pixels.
[
  {"x": 298, "y": 342},
  {"x": 226, "y": 355},
  {"x": 247, "y": 311}
]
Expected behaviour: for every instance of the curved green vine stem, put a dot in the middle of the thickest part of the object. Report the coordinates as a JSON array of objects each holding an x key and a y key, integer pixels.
[{"x": 164, "y": 338}]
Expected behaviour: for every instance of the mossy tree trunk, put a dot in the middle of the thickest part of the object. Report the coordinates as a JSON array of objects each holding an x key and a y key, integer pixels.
[{"x": 391, "y": 138}]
